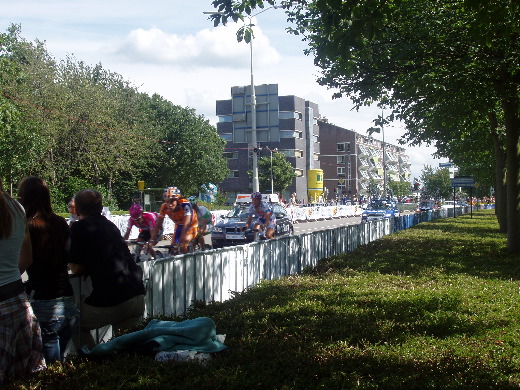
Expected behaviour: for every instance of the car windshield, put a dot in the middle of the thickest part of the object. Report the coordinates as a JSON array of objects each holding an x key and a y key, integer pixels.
[
  {"x": 239, "y": 212},
  {"x": 379, "y": 206}
]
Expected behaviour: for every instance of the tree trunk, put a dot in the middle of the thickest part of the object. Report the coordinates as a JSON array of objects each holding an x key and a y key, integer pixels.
[
  {"x": 511, "y": 105},
  {"x": 500, "y": 167}
]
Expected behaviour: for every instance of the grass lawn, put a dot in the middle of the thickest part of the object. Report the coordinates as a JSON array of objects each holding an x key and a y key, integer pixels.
[{"x": 432, "y": 307}]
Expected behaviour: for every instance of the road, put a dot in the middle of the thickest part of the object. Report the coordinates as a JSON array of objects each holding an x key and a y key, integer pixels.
[{"x": 307, "y": 227}]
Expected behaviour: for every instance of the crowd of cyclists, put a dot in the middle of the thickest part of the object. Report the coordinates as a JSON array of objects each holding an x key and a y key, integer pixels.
[{"x": 192, "y": 222}]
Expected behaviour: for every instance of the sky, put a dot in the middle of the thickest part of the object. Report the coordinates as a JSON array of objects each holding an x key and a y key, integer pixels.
[{"x": 169, "y": 47}]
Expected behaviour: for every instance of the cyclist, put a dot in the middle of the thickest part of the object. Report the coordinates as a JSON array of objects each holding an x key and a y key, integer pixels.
[
  {"x": 145, "y": 222},
  {"x": 205, "y": 222},
  {"x": 266, "y": 219},
  {"x": 183, "y": 216}
]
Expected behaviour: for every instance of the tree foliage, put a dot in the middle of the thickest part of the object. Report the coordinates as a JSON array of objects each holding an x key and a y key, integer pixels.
[
  {"x": 281, "y": 170},
  {"x": 77, "y": 126},
  {"x": 444, "y": 68},
  {"x": 436, "y": 183},
  {"x": 399, "y": 188}
]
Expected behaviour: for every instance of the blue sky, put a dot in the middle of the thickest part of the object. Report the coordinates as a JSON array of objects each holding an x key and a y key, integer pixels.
[{"x": 170, "y": 47}]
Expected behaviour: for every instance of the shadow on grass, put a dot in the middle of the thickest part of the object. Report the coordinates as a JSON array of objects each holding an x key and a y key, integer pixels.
[
  {"x": 463, "y": 245},
  {"x": 415, "y": 310}
]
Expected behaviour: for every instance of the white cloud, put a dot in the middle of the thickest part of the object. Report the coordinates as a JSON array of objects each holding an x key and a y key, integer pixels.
[{"x": 217, "y": 47}]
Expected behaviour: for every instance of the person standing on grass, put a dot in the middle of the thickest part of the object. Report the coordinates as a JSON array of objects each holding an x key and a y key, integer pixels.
[
  {"x": 99, "y": 251},
  {"x": 52, "y": 297},
  {"x": 21, "y": 348}
]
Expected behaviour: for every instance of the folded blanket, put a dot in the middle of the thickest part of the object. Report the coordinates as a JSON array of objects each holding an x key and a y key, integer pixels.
[{"x": 198, "y": 335}]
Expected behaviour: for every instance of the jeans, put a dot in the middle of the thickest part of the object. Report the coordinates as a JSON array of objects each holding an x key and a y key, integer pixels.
[{"x": 58, "y": 319}]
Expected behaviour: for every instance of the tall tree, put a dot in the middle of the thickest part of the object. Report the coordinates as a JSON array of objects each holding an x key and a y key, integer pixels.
[
  {"x": 191, "y": 152},
  {"x": 426, "y": 60},
  {"x": 18, "y": 147},
  {"x": 437, "y": 183},
  {"x": 277, "y": 169},
  {"x": 94, "y": 128}
]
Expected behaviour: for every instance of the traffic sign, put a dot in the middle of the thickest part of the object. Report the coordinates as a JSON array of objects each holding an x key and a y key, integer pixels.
[{"x": 463, "y": 181}]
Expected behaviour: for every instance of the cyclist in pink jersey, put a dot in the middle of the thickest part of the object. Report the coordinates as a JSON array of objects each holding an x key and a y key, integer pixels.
[{"x": 145, "y": 222}]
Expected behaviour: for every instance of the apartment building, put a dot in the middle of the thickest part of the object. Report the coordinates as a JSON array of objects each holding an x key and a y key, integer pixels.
[{"x": 294, "y": 126}]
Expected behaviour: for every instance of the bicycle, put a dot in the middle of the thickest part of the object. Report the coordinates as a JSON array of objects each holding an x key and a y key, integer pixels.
[
  {"x": 258, "y": 234},
  {"x": 141, "y": 251}
]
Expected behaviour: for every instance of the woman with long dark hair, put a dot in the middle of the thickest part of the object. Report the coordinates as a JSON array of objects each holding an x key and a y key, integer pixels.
[
  {"x": 21, "y": 350},
  {"x": 48, "y": 285}
]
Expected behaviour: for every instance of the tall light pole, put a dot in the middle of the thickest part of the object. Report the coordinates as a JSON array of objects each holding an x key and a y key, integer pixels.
[
  {"x": 272, "y": 179},
  {"x": 254, "y": 147},
  {"x": 384, "y": 161}
]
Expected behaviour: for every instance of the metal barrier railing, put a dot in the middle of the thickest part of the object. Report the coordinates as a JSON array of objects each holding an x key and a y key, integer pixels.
[{"x": 174, "y": 283}]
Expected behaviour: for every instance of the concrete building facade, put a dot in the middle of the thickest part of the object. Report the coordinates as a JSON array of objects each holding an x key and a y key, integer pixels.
[{"x": 294, "y": 126}]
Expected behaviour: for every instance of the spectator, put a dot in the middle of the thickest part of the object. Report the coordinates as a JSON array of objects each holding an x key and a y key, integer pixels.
[
  {"x": 71, "y": 207},
  {"x": 21, "y": 351},
  {"x": 99, "y": 250},
  {"x": 48, "y": 284}
]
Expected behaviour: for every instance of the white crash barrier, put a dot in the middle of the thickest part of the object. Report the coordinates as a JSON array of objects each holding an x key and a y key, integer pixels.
[
  {"x": 121, "y": 221},
  {"x": 174, "y": 283},
  {"x": 298, "y": 214}
]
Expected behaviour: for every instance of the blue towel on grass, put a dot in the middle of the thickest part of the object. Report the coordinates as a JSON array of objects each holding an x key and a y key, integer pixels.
[{"x": 198, "y": 335}]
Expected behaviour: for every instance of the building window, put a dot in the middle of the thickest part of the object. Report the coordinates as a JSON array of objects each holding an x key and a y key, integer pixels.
[
  {"x": 343, "y": 147},
  {"x": 340, "y": 159},
  {"x": 225, "y": 118},
  {"x": 233, "y": 175},
  {"x": 290, "y": 115},
  {"x": 290, "y": 134},
  {"x": 341, "y": 171},
  {"x": 231, "y": 155},
  {"x": 227, "y": 137}
]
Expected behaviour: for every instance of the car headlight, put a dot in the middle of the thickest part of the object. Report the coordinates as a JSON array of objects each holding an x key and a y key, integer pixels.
[{"x": 217, "y": 229}]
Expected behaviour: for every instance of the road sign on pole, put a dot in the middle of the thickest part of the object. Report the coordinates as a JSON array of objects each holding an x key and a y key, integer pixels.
[{"x": 463, "y": 181}]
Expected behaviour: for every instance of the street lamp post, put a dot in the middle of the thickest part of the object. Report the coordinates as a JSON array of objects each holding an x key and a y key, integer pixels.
[
  {"x": 256, "y": 185},
  {"x": 384, "y": 161},
  {"x": 272, "y": 179},
  {"x": 254, "y": 141}
]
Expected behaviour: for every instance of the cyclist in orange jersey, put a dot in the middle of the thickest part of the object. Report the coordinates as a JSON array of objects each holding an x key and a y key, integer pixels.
[{"x": 183, "y": 216}]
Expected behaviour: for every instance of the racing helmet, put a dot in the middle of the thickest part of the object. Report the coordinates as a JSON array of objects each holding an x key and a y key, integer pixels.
[
  {"x": 171, "y": 192},
  {"x": 192, "y": 199},
  {"x": 135, "y": 210},
  {"x": 256, "y": 195}
]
